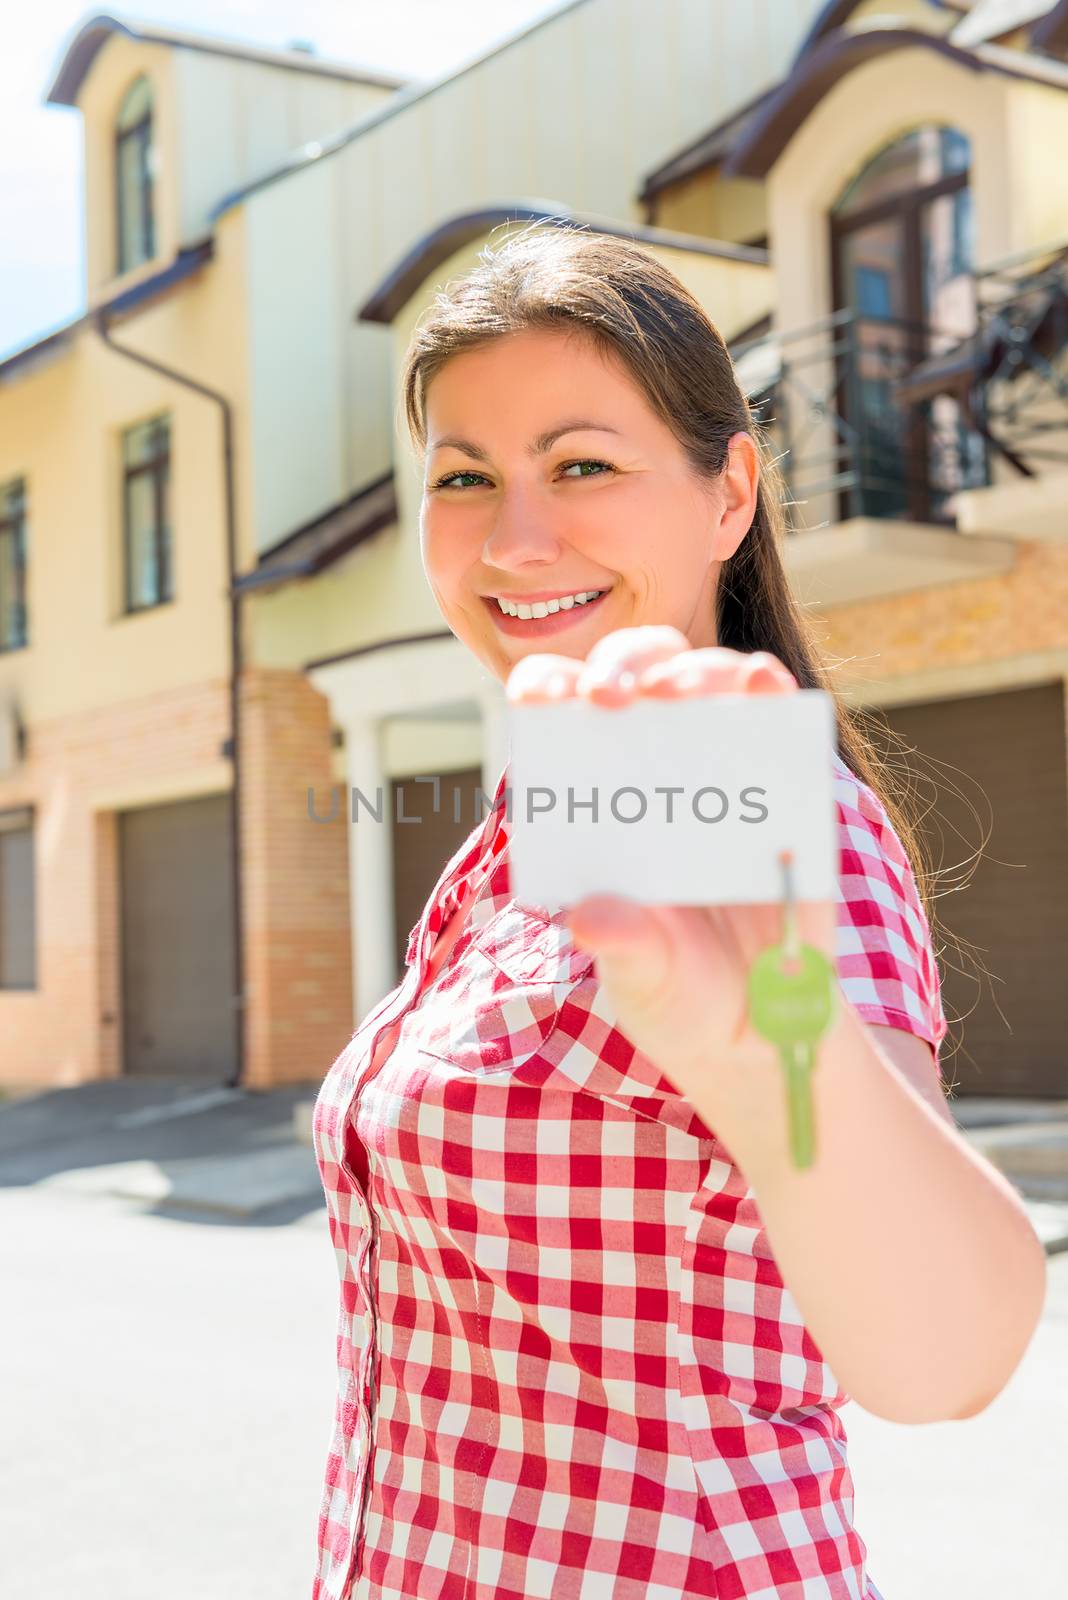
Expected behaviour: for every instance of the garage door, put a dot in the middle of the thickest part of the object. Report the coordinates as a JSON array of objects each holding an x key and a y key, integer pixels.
[
  {"x": 1005, "y": 752},
  {"x": 177, "y": 940}
]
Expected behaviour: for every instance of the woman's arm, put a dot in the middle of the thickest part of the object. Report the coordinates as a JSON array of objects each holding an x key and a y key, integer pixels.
[{"x": 911, "y": 1259}]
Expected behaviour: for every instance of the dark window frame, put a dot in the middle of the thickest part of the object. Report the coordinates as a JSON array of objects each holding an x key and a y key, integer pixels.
[
  {"x": 139, "y": 139},
  {"x": 13, "y": 527},
  {"x": 907, "y": 208},
  {"x": 158, "y": 468}
]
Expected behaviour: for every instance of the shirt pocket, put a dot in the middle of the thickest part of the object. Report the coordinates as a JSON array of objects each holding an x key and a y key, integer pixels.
[
  {"x": 563, "y": 1032},
  {"x": 497, "y": 1010},
  {"x": 530, "y": 947}
]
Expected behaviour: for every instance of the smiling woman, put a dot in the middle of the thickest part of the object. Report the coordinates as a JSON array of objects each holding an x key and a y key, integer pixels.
[
  {"x": 581, "y": 431},
  {"x": 595, "y": 1332},
  {"x": 493, "y": 538}
]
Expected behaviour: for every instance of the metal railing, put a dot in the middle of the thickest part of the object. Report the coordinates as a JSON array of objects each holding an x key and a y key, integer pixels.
[
  {"x": 880, "y": 417},
  {"x": 853, "y": 438},
  {"x": 1020, "y": 401}
]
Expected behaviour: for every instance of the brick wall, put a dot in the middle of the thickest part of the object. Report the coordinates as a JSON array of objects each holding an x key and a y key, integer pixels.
[
  {"x": 297, "y": 938},
  {"x": 79, "y": 772},
  {"x": 982, "y": 622}
]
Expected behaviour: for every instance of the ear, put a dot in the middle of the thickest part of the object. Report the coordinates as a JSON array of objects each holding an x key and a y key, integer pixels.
[{"x": 739, "y": 487}]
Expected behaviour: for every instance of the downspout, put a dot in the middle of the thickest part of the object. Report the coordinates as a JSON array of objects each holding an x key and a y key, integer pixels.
[{"x": 234, "y": 599}]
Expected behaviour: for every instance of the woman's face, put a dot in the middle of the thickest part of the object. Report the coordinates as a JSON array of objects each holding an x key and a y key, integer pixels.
[{"x": 515, "y": 509}]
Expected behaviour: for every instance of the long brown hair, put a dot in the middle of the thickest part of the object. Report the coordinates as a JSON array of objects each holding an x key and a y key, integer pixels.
[{"x": 555, "y": 274}]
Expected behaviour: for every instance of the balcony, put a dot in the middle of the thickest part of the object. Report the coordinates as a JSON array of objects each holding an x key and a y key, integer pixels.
[{"x": 916, "y": 456}]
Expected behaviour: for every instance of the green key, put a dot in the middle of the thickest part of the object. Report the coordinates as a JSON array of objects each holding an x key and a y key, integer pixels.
[{"x": 791, "y": 992}]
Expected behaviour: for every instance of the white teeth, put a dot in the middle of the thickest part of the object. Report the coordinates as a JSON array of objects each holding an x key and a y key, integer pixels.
[{"x": 545, "y": 608}]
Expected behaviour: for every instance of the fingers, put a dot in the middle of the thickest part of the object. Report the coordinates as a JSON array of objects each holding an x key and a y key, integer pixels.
[
  {"x": 716, "y": 670},
  {"x": 541, "y": 678},
  {"x": 610, "y": 674},
  {"x": 765, "y": 674},
  {"x": 655, "y": 661}
]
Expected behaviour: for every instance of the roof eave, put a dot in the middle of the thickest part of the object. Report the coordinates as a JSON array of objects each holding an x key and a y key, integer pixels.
[
  {"x": 80, "y": 54},
  {"x": 776, "y": 122},
  {"x": 704, "y": 152},
  {"x": 318, "y": 544},
  {"x": 186, "y": 263},
  {"x": 1050, "y": 32}
]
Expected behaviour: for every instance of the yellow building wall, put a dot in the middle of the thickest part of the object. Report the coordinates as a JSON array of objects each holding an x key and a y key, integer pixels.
[
  {"x": 1037, "y": 119},
  {"x": 61, "y": 424},
  {"x": 713, "y": 207}
]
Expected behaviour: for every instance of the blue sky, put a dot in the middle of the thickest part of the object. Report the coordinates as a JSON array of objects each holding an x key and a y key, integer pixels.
[{"x": 41, "y": 221}]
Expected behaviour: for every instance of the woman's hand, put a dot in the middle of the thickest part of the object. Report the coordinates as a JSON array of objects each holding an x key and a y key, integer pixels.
[{"x": 677, "y": 975}]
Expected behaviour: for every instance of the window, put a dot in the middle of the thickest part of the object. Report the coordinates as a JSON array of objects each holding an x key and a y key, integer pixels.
[
  {"x": 902, "y": 247},
  {"x": 13, "y": 621},
  {"x": 18, "y": 937},
  {"x": 923, "y": 158},
  {"x": 872, "y": 289},
  {"x": 134, "y": 165},
  {"x": 146, "y": 457}
]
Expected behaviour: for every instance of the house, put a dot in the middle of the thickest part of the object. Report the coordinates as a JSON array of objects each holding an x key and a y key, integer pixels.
[
  {"x": 905, "y": 173},
  {"x": 216, "y": 615},
  {"x": 213, "y": 609}
]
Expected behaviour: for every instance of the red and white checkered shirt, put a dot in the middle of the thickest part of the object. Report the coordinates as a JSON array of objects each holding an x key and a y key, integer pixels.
[{"x": 568, "y": 1366}]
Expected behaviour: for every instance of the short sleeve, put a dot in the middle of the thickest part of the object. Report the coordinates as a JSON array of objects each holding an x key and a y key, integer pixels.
[{"x": 887, "y": 968}]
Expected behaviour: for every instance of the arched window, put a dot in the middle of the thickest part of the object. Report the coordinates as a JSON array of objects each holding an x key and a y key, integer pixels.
[
  {"x": 134, "y": 212},
  {"x": 902, "y": 253}
]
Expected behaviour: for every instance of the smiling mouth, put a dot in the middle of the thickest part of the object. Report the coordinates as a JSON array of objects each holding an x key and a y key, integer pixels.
[{"x": 537, "y": 610}]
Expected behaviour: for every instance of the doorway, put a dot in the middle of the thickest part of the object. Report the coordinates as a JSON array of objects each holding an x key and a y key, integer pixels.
[{"x": 902, "y": 254}]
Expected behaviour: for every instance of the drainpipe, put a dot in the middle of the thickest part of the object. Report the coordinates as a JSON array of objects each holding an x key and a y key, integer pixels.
[{"x": 234, "y": 598}]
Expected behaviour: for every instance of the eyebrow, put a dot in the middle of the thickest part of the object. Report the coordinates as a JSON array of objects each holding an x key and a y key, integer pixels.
[{"x": 541, "y": 444}]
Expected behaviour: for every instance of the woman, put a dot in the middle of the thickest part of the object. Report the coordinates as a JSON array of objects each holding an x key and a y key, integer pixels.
[{"x": 595, "y": 1328}]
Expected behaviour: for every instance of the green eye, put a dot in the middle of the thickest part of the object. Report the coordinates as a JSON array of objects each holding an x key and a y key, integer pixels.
[
  {"x": 450, "y": 479},
  {"x": 443, "y": 483}
]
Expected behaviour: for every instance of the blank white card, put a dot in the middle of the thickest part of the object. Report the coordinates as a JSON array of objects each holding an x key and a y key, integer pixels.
[{"x": 673, "y": 802}]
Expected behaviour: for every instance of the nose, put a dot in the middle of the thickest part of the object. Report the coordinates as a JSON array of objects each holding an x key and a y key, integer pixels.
[{"x": 523, "y": 534}]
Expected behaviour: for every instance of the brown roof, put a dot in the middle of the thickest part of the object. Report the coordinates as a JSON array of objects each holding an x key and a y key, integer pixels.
[
  {"x": 93, "y": 34},
  {"x": 324, "y": 540},
  {"x": 766, "y": 136},
  {"x": 1051, "y": 33},
  {"x": 704, "y": 151},
  {"x": 832, "y": 14},
  {"x": 189, "y": 260},
  {"x": 835, "y": 14}
]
